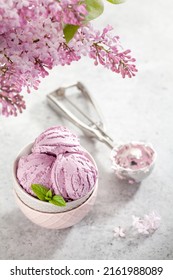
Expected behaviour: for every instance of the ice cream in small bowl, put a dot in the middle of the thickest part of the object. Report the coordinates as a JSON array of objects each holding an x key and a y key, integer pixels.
[
  {"x": 55, "y": 178},
  {"x": 133, "y": 161}
]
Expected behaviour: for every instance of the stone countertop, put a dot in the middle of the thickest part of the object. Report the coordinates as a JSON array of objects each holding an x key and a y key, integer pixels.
[{"x": 134, "y": 109}]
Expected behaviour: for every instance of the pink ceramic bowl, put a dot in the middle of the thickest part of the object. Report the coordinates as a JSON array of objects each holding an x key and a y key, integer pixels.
[{"x": 58, "y": 220}]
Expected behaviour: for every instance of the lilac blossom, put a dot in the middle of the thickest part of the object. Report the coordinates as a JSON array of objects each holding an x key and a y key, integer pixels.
[
  {"x": 32, "y": 42},
  {"x": 147, "y": 224},
  {"x": 119, "y": 232}
]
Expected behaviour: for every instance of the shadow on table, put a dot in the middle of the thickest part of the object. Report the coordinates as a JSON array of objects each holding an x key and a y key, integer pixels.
[
  {"x": 21, "y": 239},
  {"x": 123, "y": 190}
]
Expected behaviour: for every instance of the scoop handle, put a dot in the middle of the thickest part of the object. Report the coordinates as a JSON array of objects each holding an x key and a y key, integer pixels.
[{"x": 98, "y": 132}]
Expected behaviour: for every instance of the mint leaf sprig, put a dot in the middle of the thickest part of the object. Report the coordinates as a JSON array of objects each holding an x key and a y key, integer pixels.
[{"x": 47, "y": 195}]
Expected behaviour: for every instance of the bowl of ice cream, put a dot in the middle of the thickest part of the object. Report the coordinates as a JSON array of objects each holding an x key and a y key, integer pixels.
[{"x": 58, "y": 162}]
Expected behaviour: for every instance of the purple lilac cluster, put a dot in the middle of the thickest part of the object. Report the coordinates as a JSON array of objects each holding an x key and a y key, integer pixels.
[{"x": 32, "y": 42}]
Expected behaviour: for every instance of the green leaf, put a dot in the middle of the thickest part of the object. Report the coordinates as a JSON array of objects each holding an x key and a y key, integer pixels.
[
  {"x": 40, "y": 191},
  {"x": 95, "y": 8},
  {"x": 116, "y": 1},
  {"x": 47, "y": 198},
  {"x": 69, "y": 31},
  {"x": 58, "y": 200},
  {"x": 49, "y": 194}
]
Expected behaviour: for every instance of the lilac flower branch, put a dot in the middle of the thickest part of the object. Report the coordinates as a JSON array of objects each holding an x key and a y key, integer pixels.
[{"x": 36, "y": 35}]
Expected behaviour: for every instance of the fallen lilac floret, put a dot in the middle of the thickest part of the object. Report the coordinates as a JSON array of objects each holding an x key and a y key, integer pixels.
[
  {"x": 119, "y": 232},
  {"x": 147, "y": 224}
]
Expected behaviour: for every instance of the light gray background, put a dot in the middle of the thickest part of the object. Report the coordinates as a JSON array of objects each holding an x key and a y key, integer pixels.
[{"x": 139, "y": 109}]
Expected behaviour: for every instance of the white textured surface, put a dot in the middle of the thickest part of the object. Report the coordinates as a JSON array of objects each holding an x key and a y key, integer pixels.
[{"x": 138, "y": 109}]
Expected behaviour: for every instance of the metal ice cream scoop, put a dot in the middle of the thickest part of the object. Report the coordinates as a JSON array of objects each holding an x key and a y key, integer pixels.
[{"x": 132, "y": 161}]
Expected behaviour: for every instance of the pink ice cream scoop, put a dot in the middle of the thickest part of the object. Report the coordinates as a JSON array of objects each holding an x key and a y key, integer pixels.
[
  {"x": 56, "y": 140},
  {"x": 73, "y": 176},
  {"x": 35, "y": 169}
]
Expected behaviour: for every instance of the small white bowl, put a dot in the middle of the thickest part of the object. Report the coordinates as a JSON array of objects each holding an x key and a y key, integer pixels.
[
  {"x": 37, "y": 204},
  {"x": 136, "y": 175}
]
